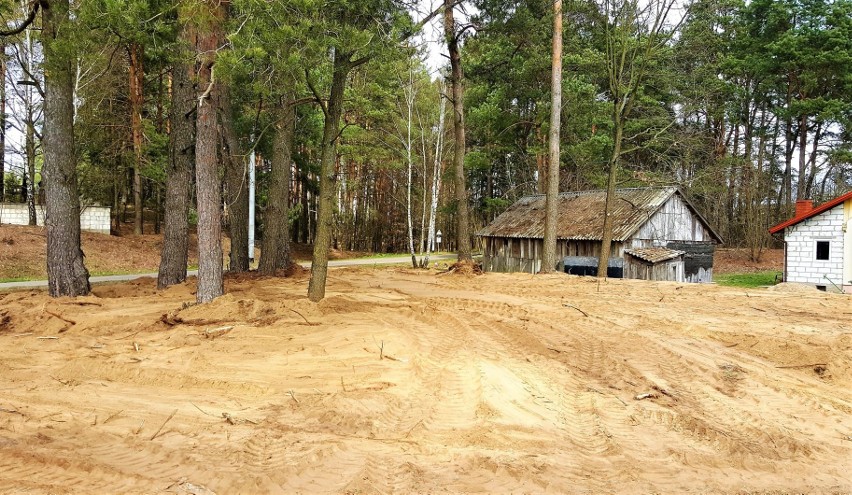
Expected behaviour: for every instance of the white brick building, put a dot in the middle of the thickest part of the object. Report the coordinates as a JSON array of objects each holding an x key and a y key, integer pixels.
[{"x": 818, "y": 244}]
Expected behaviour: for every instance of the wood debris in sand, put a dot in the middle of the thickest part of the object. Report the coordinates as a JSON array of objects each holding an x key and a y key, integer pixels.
[{"x": 212, "y": 333}]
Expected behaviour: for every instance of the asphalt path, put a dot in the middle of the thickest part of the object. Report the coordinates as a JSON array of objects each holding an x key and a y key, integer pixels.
[{"x": 396, "y": 260}]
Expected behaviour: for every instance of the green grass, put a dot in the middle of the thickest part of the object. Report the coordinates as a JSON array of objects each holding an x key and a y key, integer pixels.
[{"x": 748, "y": 280}]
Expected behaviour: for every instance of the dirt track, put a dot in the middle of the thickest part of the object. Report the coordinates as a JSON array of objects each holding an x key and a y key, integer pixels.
[{"x": 496, "y": 383}]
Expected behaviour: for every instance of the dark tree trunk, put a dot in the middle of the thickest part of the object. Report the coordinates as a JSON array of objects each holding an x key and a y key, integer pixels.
[
  {"x": 548, "y": 262},
  {"x": 66, "y": 273},
  {"x": 137, "y": 76},
  {"x": 275, "y": 249},
  {"x": 236, "y": 185},
  {"x": 173, "y": 261},
  {"x": 802, "y": 180},
  {"x": 322, "y": 238},
  {"x": 208, "y": 191},
  {"x": 456, "y": 76}
]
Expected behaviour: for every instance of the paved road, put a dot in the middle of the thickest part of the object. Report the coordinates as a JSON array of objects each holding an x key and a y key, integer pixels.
[{"x": 307, "y": 264}]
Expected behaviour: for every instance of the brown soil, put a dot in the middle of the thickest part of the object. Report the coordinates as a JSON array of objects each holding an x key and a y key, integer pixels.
[
  {"x": 22, "y": 252},
  {"x": 405, "y": 381},
  {"x": 736, "y": 260}
]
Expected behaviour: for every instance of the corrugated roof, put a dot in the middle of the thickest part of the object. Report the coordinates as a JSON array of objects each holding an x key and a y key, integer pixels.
[
  {"x": 655, "y": 254},
  {"x": 812, "y": 213},
  {"x": 581, "y": 214}
]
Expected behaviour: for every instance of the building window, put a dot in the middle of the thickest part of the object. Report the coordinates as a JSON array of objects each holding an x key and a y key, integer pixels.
[{"x": 822, "y": 250}]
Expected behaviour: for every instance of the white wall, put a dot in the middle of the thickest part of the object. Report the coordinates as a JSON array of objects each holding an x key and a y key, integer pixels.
[
  {"x": 802, "y": 265},
  {"x": 92, "y": 218}
]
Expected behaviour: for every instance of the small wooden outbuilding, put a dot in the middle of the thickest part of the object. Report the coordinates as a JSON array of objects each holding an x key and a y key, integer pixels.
[
  {"x": 643, "y": 218},
  {"x": 655, "y": 263}
]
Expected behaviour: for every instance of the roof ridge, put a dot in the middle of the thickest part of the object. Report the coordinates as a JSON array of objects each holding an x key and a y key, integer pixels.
[{"x": 592, "y": 191}]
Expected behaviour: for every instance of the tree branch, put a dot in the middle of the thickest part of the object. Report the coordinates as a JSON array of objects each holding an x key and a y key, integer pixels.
[
  {"x": 317, "y": 96},
  {"x": 29, "y": 20}
]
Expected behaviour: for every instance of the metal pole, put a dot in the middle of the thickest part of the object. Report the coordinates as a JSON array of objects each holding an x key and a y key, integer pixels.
[{"x": 251, "y": 206}]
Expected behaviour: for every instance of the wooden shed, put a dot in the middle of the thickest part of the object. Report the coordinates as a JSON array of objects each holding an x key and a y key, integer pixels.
[
  {"x": 654, "y": 264},
  {"x": 650, "y": 217}
]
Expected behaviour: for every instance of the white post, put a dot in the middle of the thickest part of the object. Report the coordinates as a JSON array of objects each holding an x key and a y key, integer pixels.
[{"x": 251, "y": 206}]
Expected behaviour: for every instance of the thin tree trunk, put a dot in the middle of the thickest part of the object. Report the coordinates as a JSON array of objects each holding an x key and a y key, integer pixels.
[
  {"x": 2, "y": 122},
  {"x": 66, "y": 273},
  {"x": 812, "y": 161},
  {"x": 173, "y": 262},
  {"x": 236, "y": 185},
  {"x": 462, "y": 215},
  {"x": 30, "y": 151},
  {"x": 275, "y": 248},
  {"x": 437, "y": 172},
  {"x": 802, "y": 181},
  {"x": 548, "y": 262},
  {"x": 606, "y": 237},
  {"x": 325, "y": 219},
  {"x": 208, "y": 191},
  {"x": 409, "y": 100},
  {"x": 137, "y": 76}
]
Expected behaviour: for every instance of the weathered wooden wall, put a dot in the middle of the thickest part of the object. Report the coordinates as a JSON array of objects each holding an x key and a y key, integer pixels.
[
  {"x": 674, "y": 221},
  {"x": 524, "y": 255},
  {"x": 671, "y": 270}
]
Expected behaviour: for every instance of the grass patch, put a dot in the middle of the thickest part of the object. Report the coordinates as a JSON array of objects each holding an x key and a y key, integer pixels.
[{"x": 747, "y": 280}]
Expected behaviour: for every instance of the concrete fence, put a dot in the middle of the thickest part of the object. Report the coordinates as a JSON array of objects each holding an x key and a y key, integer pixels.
[{"x": 92, "y": 218}]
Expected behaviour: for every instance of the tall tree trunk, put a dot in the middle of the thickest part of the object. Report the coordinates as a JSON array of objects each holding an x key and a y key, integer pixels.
[
  {"x": 437, "y": 172},
  {"x": 462, "y": 215},
  {"x": 137, "y": 78},
  {"x": 208, "y": 191},
  {"x": 801, "y": 183},
  {"x": 66, "y": 273},
  {"x": 2, "y": 121},
  {"x": 606, "y": 236},
  {"x": 812, "y": 161},
  {"x": 410, "y": 94},
  {"x": 30, "y": 152},
  {"x": 275, "y": 248},
  {"x": 236, "y": 185},
  {"x": 322, "y": 238},
  {"x": 548, "y": 262},
  {"x": 173, "y": 262}
]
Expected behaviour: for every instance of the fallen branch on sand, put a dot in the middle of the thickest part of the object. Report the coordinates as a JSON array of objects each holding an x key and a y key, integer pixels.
[
  {"x": 812, "y": 365},
  {"x": 172, "y": 415},
  {"x": 578, "y": 309}
]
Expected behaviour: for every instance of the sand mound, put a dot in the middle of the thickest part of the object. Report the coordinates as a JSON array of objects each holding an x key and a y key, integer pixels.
[
  {"x": 403, "y": 381},
  {"x": 793, "y": 288}
]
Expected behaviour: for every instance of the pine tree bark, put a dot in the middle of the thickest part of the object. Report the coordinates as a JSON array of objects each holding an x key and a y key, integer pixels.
[
  {"x": 208, "y": 192},
  {"x": 548, "y": 262},
  {"x": 322, "y": 238},
  {"x": 66, "y": 273},
  {"x": 275, "y": 247},
  {"x": 173, "y": 261},
  {"x": 236, "y": 185},
  {"x": 137, "y": 77},
  {"x": 456, "y": 76}
]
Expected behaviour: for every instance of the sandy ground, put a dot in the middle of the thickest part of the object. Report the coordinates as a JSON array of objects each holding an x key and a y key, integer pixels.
[{"x": 413, "y": 382}]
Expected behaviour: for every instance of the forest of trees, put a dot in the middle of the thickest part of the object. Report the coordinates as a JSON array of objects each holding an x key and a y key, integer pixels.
[{"x": 158, "y": 108}]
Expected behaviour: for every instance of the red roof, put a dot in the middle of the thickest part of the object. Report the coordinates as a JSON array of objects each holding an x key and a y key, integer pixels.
[{"x": 812, "y": 213}]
